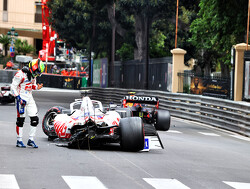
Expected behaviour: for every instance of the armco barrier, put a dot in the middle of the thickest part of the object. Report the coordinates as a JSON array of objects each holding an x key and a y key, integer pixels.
[{"x": 225, "y": 114}]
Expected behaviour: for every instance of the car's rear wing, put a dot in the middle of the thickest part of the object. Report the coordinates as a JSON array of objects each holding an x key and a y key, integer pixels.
[{"x": 141, "y": 99}]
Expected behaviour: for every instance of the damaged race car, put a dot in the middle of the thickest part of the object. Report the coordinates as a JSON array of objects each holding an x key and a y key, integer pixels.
[
  {"x": 5, "y": 95},
  {"x": 147, "y": 107},
  {"x": 89, "y": 123}
]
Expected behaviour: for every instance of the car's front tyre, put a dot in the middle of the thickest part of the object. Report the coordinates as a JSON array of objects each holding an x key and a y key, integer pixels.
[{"x": 48, "y": 121}]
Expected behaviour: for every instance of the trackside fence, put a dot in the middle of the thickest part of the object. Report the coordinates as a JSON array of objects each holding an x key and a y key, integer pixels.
[{"x": 221, "y": 113}]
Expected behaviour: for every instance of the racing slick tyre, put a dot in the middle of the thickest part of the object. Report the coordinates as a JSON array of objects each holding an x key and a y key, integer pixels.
[
  {"x": 124, "y": 112},
  {"x": 48, "y": 121},
  {"x": 162, "y": 120},
  {"x": 132, "y": 134}
]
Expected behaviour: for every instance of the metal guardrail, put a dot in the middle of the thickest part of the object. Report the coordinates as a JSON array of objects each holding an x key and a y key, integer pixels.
[{"x": 221, "y": 113}]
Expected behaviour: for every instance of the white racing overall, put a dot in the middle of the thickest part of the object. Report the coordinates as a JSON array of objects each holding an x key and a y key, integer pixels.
[{"x": 22, "y": 86}]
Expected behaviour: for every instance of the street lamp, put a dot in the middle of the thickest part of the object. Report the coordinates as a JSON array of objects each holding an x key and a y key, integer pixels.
[{"x": 13, "y": 35}]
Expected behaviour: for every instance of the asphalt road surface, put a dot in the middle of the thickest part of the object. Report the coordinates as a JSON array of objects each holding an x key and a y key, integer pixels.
[{"x": 195, "y": 156}]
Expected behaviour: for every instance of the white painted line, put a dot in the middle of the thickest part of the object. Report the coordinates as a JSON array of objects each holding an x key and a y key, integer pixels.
[
  {"x": 159, "y": 183},
  {"x": 8, "y": 182},
  {"x": 80, "y": 182},
  {"x": 238, "y": 185},
  {"x": 241, "y": 137},
  {"x": 174, "y": 131},
  {"x": 209, "y": 134}
]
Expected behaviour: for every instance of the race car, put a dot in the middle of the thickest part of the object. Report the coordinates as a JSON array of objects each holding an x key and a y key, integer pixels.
[
  {"x": 87, "y": 122},
  {"x": 5, "y": 95},
  {"x": 147, "y": 107}
]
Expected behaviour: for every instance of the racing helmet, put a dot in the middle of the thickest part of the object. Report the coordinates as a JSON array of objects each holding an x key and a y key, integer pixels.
[{"x": 36, "y": 67}]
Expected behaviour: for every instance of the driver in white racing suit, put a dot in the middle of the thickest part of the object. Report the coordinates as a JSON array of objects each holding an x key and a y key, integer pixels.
[{"x": 22, "y": 85}]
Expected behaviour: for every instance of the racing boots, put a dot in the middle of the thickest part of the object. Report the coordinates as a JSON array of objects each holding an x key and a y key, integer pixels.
[
  {"x": 20, "y": 144},
  {"x": 31, "y": 143}
]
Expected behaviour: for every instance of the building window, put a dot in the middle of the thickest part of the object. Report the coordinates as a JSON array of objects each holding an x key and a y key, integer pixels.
[
  {"x": 38, "y": 14},
  {"x": 5, "y": 5},
  {"x": 5, "y": 10}
]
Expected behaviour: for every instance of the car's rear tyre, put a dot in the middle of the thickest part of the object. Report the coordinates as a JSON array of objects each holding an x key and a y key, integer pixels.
[
  {"x": 162, "y": 120},
  {"x": 48, "y": 121},
  {"x": 132, "y": 134}
]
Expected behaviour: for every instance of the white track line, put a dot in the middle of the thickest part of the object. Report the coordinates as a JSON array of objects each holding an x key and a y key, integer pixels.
[
  {"x": 238, "y": 185},
  {"x": 240, "y": 137},
  {"x": 165, "y": 183},
  {"x": 208, "y": 134},
  {"x": 80, "y": 182},
  {"x": 174, "y": 131},
  {"x": 8, "y": 181}
]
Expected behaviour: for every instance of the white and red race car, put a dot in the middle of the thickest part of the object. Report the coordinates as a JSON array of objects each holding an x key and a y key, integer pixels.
[{"x": 89, "y": 123}]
